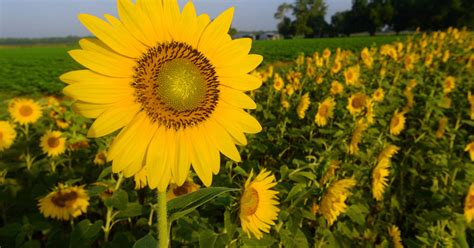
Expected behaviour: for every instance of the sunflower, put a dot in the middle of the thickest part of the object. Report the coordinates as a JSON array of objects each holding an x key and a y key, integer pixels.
[
  {"x": 470, "y": 99},
  {"x": 357, "y": 137},
  {"x": 378, "y": 95},
  {"x": 303, "y": 106},
  {"x": 380, "y": 177},
  {"x": 258, "y": 204},
  {"x": 395, "y": 234},
  {"x": 64, "y": 202},
  {"x": 289, "y": 89},
  {"x": 336, "y": 67},
  {"x": 445, "y": 56},
  {"x": 351, "y": 75},
  {"x": 7, "y": 135},
  {"x": 470, "y": 148},
  {"x": 397, "y": 124},
  {"x": 53, "y": 143},
  {"x": 357, "y": 103},
  {"x": 330, "y": 172},
  {"x": 370, "y": 115},
  {"x": 175, "y": 190},
  {"x": 469, "y": 205},
  {"x": 449, "y": 84},
  {"x": 325, "y": 111},
  {"x": 333, "y": 201},
  {"x": 336, "y": 88},
  {"x": 25, "y": 111},
  {"x": 278, "y": 82},
  {"x": 428, "y": 60},
  {"x": 326, "y": 53},
  {"x": 100, "y": 158},
  {"x": 410, "y": 60},
  {"x": 173, "y": 82},
  {"x": 367, "y": 57}
]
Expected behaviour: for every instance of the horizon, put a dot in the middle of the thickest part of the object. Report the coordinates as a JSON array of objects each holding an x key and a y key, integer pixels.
[{"x": 16, "y": 16}]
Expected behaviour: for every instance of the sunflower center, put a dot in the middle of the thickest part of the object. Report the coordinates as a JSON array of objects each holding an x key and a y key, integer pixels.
[
  {"x": 53, "y": 142},
  {"x": 181, "y": 85},
  {"x": 395, "y": 121},
  {"x": 26, "y": 110},
  {"x": 61, "y": 199},
  {"x": 349, "y": 75},
  {"x": 1, "y": 135},
  {"x": 323, "y": 111},
  {"x": 183, "y": 189},
  {"x": 176, "y": 85},
  {"x": 249, "y": 201},
  {"x": 470, "y": 202},
  {"x": 358, "y": 102}
]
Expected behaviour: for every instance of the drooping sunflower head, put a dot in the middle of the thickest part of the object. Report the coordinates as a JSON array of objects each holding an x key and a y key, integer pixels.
[
  {"x": 188, "y": 187},
  {"x": 25, "y": 111},
  {"x": 258, "y": 204},
  {"x": 53, "y": 143},
  {"x": 333, "y": 201},
  {"x": 173, "y": 82},
  {"x": 325, "y": 111},
  {"x": 100, "y": 158},
  {"x": 469, "y": 205},
  {"x": 395, "y": 234},
  {"x": 64, "y": 202},
  {"x": 303, "y": 105},
  {"x": 380, "y": 178},
  {"x": 7, "y": 135},
  {"x": 397, "y": 124},
  {"x": 357, "y": 103}
]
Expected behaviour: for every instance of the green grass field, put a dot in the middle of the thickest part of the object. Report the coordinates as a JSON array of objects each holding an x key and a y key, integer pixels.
[{"x": 35, "y": 70}]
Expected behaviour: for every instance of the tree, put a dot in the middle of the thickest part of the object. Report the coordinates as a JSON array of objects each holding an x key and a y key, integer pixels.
[{"x": 307, "y": 18}]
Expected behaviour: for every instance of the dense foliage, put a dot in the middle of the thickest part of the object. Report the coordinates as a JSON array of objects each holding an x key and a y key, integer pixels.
[{"x": 359, "y": 178}]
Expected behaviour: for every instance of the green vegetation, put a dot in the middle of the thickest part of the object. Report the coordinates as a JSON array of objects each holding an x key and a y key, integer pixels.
[{"x": 35, "y": 69}]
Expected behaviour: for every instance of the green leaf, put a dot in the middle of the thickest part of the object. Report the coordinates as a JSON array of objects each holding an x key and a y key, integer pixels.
[
  {"x": 266, "y": 241},
  {"x": 84, "y": 233},
  {"x": 133, "y": 209},
  {"x": 118, "y": 200},
  {"x": 357, "y": 214},
  {"x": 183, "y": 205},
  {"x": 207, "y": 238},
  {"x": 105, "y": 172},
  {"x": 146, "y": 242}
]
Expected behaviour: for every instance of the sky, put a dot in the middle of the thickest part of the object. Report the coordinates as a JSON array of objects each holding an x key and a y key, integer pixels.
[{"x": 58, "y": 18}]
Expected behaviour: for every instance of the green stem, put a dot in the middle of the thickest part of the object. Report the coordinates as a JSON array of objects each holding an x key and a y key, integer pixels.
[
  {"x": 162, "y": 220},
  {"x": 110, "y": 212}
]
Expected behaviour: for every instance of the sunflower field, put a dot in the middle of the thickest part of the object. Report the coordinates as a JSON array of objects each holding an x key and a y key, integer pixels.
[{"x": 343, "y": 148}]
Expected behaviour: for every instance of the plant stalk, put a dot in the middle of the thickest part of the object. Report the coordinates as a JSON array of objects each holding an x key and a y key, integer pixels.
[{"x": 162, "y": 221}]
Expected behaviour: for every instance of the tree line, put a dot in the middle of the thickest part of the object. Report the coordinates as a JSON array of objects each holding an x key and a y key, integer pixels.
[{"x": 306, "y": 17}]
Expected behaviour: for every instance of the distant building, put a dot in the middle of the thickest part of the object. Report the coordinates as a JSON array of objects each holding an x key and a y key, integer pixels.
[{"x": 257, "y": 35}]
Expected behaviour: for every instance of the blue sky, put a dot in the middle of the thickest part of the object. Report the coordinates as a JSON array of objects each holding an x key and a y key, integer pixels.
[{"x": 46, "y": 18}]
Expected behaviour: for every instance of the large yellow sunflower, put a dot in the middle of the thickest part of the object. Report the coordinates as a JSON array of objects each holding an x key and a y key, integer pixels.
[
  {"x": 25, "y": 111},
  {"x": 7, "y": 135},
  {"x": 258, "y": 204},
  {"x": 64, "y": 202},
  {"x": 53, "y": 144},
  {"x": 325, "y": 111},
  {"x": 173, "y": 82}
]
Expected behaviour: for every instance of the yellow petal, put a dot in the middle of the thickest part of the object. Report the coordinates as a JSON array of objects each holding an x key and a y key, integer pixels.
[
  {"x": 159, "y": 173},
  {"x": 118, "y": 41},
  {"x": 187, "y": 25},
  {"x": 242, "y": 119},
  {"x": 89, "y": 110},
  {"x": 243, "y": 82},
  {"x": 154, "y": 11},
  {"x": 198, "y": 157},
  {"x": 98, "y": 93},
  {"x": 123, "y": 139},
  {"x": 230, "y": 126},
  {"x": 216, "y": 34},
  {"x": 181, "y": 169},
  {"x": 110, "y": 66},
  {"x": 236, "y": 98},
  {"x": 88, "y": 76},
  {"x": 232, "y": 51},
  {"x": 239, "y": 66},
  {"x": 135, "y": 22},
  {"x": 116, "y": 117},
  {"x": 222, "y": 140}
]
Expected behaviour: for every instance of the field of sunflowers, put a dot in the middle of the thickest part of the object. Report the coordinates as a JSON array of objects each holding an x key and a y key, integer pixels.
[{"x": 357, "y": 149}]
